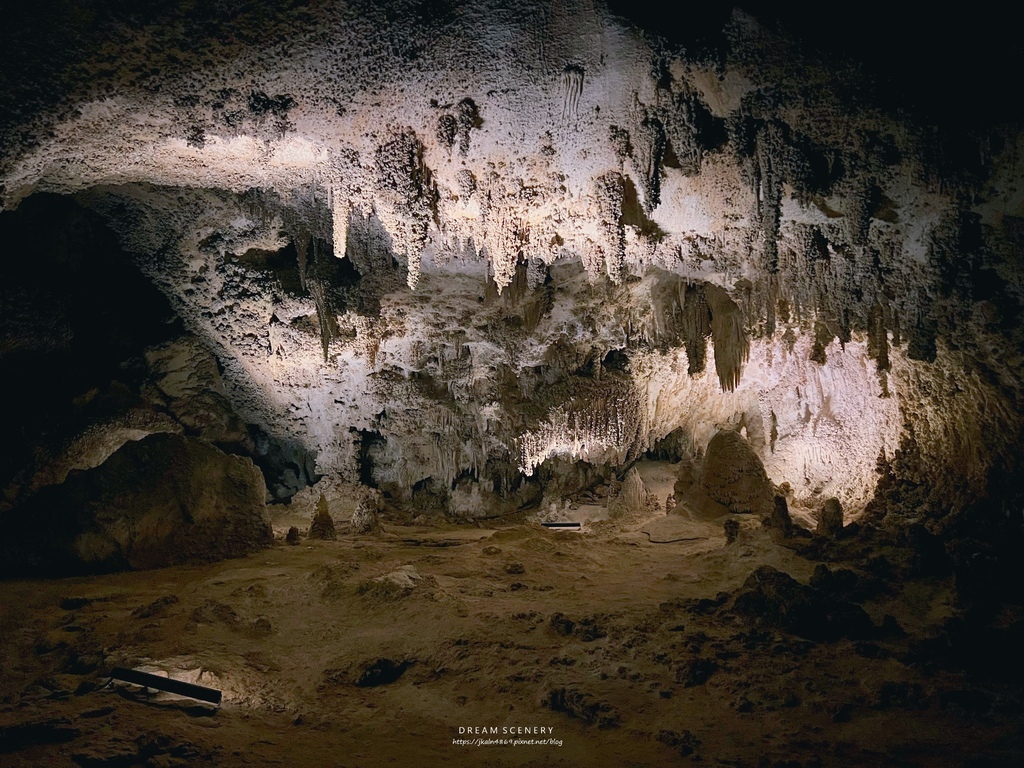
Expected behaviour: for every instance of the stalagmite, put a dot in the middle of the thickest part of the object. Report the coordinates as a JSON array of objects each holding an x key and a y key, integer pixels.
[{"x": 634, "y": 493}]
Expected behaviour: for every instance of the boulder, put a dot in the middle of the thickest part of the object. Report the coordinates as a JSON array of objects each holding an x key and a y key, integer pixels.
[
  {"x": 734, "y": 476},
  {"x": 163, "y": 500}
]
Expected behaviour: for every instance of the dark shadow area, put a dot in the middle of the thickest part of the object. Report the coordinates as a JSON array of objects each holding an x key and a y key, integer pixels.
[
  {"x": 918, "y": 58},
  {"x": 75, "y": 317},
  {"x": 370, "y": 443}
]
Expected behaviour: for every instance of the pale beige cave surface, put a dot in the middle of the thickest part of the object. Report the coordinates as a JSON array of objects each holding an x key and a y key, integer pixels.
[{"x": 345, "y": 158}]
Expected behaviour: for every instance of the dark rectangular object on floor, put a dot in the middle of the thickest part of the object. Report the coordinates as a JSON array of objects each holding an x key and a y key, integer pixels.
[{"x": 180, "y": 687}]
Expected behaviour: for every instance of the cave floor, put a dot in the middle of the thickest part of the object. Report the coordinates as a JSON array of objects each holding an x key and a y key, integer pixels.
[{"x": 305, "y": 640}]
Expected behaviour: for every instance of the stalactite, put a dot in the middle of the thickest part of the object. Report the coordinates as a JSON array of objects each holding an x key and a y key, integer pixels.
[
  {"x": 518, "y": 287},
  {"x": 768, "y": 190},
  {"x": 318, "y": 284},
  {"x": 863, "y": 199},
  {"x": 467, "y": 117},
  {"x": 446, "y": 130},
  {"x": 921, "y": 343},
  {"x": 621, "y": 146},
  {"x": 684, "y": 132},
  {"x": 326, "y": 322},
  {"x": 648, "y": 153},
  {"x": 732, "y": 348},
  {"x": 504, "y": 240},
  {"x": 607, "y": 420},
  {"x": 340, "y": 213},
  {"x": 696, "y": 327},
  {"x": 466, "y": 182},
  {"x": 770, "y": 306},
  {"x": 405, "y": 186},
  {"x": 302, "y": 241},
  {"x": 878, "y": 337},
  {"x": 667, "y": 299},
  {"x": 822, "y": 338},
  {"x": 610, "y": 194}
]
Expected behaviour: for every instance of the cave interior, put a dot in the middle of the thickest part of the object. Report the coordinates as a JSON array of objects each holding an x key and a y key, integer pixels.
[{"x": 318, "y": 317}]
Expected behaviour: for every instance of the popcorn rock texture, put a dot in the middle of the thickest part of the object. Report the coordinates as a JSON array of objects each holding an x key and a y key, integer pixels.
[{"x": 426, "y": 257}]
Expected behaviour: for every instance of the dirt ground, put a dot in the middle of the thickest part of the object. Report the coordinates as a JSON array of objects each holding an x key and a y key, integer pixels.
[{"x": 377, "y": 650}]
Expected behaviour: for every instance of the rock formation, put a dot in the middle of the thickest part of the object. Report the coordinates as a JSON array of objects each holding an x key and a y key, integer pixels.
[
  {"x": 780, "y": 524},
  {"x": 322, "y": 524},
  {"x": 421, "y": 273},
  {"x": 159, "y": 501},
  {"x": 770, "y": 597},
  {"x": 732, "y": 531},
  {"x": 733, "y": 476},
  {"x": 634, "y": 493},
  {"x": 365, "y": 518},
  {"x": 496, "y": 261},
  {"x": 830, "y": 519}
]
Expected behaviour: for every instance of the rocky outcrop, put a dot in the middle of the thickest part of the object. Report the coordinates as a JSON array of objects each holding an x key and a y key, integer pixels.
[
  {"x": 772, "y": 598},
  {"x": 185, "y": 376},
  {"x": 163, "y": 500}
]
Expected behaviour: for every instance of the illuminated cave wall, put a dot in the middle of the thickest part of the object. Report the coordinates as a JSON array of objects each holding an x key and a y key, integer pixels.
[{"x": 453, "y": 245}]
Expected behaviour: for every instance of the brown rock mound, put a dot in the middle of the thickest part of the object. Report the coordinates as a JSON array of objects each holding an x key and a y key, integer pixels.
[
  {"x": 830, "y": 521},
  {"x": 734, "y": 476},
  {"x": 164, "y": 500}
]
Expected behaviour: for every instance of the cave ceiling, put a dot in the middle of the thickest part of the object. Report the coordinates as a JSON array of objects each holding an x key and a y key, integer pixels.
[{"x": 466, "y": 238}]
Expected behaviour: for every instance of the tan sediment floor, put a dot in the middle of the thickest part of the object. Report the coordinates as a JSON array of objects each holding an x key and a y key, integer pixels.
[{"x": 470, "y": 617}]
